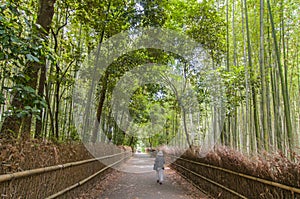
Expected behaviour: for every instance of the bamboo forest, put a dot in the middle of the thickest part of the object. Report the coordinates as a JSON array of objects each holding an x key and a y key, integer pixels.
[{"x": 214, "y": 84}]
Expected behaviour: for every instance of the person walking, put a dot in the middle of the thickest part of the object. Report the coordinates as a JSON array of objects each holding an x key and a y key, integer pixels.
[{"x": 159, "y": 166}]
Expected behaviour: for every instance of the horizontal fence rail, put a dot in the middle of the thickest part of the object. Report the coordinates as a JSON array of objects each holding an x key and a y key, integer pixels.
[
  {"x": 211, "y": 181},
  {"x": 27, "y": 173},
  {"x": 85, "y": 180},
  {"x": 53, "y": 181},
  {"x": 256, "y": 179},
  {"x": 193, "y": 183}
]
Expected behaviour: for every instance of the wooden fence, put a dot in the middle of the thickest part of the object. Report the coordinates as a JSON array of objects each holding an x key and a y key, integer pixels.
[
  {"x": 230, "y": 183},
  {"x": 58, "y": 180}
]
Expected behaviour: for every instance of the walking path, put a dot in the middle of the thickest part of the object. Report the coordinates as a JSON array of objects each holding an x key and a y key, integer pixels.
[{"x": 138, "y": 181}]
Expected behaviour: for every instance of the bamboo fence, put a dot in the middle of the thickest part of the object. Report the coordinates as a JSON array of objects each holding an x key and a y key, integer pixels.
[
  {"x": 78, "y": 184},
  {"x": 256, "y": 179},
  {"x": 27, "y": 173}
]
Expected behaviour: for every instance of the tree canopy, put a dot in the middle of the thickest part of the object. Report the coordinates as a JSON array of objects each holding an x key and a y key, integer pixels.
[{"x": 240, "y": 86}]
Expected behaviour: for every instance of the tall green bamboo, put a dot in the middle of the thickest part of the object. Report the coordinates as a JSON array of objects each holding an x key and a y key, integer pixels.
[
  {"x": 283, "y": 85},
  {"x": 264, "y": 113},
  {"x": 253, "y": 91}
]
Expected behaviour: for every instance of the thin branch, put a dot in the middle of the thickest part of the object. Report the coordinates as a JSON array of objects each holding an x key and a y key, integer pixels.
[{"x": 66, "y": 21}]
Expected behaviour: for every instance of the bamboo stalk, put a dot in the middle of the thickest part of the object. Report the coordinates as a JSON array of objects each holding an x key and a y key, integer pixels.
[
  {"x": 84, "y": 180},
  {"x": 268, "y": 182},
  {"x": 22, "y": 174}
]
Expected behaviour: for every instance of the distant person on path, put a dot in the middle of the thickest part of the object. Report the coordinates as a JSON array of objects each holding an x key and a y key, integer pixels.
[{"x": 159, "y": 166}]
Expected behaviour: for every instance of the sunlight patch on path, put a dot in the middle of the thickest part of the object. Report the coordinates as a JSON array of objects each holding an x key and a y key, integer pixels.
[{"x": 139, "y": 163}]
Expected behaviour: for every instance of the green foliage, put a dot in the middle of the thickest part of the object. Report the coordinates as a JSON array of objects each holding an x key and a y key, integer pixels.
[
  {"x": 74, "y": 136},
  {"x": 79, "y": 26},
  {"x": 18, "y": 47},
  {"x": 149, "y": 13},
  {"x": 32, "y": 103},
  {"x": 200, "y": 21},
  {"x": 207, "y": 27},
  {"x": 2, "y": 98},
  {"x": 19, "y": 42},
  {"x": 234, "y": 81}
]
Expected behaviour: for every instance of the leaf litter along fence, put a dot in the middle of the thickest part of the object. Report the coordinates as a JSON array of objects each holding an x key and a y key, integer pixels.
[
  {"x": 53, "y": 181},
  {"x": 230, "y": 184}
]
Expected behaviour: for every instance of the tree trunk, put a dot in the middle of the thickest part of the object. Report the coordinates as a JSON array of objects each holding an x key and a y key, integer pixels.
[
  {"x": 185, "y": 128},
  {"x": 100, "y": 107},
  {"x": 57, "y": 102},
  {"x": 247, "y": 140},
  {"x": 39, "y": 122},
  {"x": 283, "y": 85},
  {"x": 254, "y": 97},
  {"x": 12, "y": 124},
  {"x": 103, "y": 84},
  {"x": 265, "y": 131}
]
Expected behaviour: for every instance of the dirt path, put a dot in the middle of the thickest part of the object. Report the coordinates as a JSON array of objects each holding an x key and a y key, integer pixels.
[{"x": 138, "y": 181}]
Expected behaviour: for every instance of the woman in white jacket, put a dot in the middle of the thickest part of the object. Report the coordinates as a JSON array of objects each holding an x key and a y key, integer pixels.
[{"x": 159, "y": 166}]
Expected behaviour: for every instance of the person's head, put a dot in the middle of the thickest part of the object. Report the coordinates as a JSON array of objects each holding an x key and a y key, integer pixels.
[{"x": 160, "y": 153}]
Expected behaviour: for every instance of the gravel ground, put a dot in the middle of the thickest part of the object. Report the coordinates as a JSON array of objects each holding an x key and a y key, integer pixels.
[{"x": 135, "y": 179}]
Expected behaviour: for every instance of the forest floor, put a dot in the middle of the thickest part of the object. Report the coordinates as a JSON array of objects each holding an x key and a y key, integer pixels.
[{"x": 135, "y": 179}]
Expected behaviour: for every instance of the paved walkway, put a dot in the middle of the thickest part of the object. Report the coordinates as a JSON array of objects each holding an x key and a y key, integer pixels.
[{"x": 138, "y": 181}]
